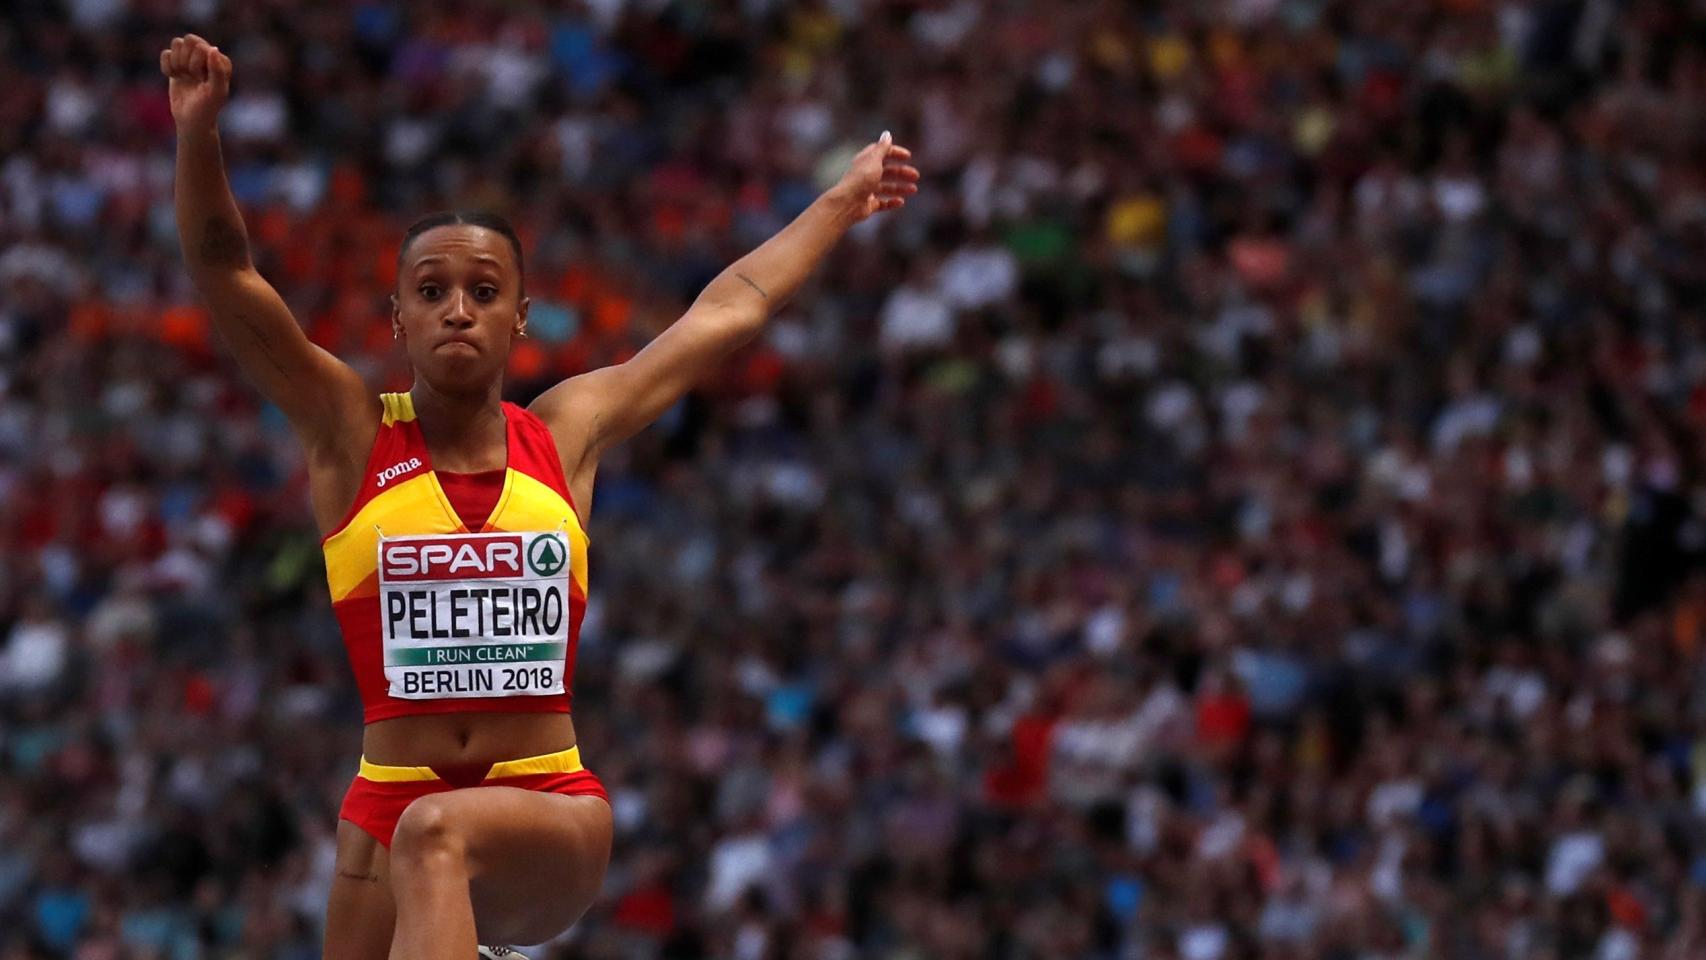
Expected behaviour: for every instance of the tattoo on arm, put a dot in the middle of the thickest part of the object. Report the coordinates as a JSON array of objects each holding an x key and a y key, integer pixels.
[
  {"x": 753, "y": 285},
  {"x": 222, "y": 244}
]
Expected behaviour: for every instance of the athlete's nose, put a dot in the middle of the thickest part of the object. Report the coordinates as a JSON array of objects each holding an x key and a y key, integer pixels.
[{"x": 459, "y": 314}]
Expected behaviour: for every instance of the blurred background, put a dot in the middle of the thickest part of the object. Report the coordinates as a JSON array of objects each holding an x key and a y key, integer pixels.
[{"x": 1248, "y": 507}]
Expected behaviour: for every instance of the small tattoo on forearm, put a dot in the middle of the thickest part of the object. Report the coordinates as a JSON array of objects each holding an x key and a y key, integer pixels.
[
  {"x": 363, "y": 877},
  {"x": 222, "y": 244},
  {"x": 753, "y": 285}
]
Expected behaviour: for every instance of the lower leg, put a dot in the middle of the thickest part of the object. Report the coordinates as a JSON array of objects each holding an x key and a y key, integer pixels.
[{"x": 361, "y": 910}]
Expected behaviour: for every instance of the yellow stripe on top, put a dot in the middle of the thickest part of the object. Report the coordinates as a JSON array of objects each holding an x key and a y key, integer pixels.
[
  {"x": 418, "y": 506},
  {"x": 399, "y": 408},
  {"x": 563, "y": 761},
  {"x": 414, "y": 506}
]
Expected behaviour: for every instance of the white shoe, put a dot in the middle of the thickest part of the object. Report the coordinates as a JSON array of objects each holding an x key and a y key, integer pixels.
[{"x": 500, "y": 953}]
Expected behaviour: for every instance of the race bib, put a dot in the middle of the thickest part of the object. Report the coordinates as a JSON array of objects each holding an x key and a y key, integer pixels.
[{"x": 474, "y": 615}]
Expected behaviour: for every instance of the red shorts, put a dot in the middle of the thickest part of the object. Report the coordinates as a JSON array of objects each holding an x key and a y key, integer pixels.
[{"x": 380, "y": 794}]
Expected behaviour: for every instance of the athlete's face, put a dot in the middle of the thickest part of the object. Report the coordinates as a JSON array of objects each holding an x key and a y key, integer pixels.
[{"x": 458, "y": 305}]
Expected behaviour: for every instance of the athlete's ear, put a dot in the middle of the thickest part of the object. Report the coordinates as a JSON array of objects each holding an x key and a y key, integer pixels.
[
  {"x": 521, "y": 317},
  {"x": 396, "y": 318}
]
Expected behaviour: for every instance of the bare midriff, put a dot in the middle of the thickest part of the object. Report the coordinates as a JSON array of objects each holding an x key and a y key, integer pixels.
[{"x": 445, "y": 739}]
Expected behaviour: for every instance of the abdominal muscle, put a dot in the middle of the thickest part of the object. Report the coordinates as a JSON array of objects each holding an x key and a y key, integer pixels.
[{"x": 444, "y": 739}]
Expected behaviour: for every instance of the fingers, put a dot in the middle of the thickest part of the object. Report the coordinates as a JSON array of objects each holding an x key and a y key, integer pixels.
[
  {"x": 191, "y": 57},
  {"x": 899, "y": 179},
  {"x": 891, "y": 157}
]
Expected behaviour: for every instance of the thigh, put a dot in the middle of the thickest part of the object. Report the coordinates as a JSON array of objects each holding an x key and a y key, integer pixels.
[
  {"x": 535, "y": 860},
  {"x": 361, "y": 913}
]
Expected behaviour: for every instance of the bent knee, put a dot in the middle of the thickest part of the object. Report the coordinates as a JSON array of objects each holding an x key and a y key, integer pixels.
[{"x": 426, "y": 829}]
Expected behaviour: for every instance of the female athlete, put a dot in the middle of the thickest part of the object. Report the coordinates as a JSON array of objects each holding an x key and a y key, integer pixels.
[{"x": 454, "y": 539}]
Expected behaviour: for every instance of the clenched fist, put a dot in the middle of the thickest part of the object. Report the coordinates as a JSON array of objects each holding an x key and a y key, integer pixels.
[{"x": 199, "y": 81}]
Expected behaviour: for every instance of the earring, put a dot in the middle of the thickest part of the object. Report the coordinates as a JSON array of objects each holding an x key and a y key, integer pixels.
[
  {"x": 394, "y": 334},
  {"x": 521, "y": 333}
]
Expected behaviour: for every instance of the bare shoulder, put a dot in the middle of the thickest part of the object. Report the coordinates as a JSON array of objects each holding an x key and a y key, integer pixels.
[
  {"x": 347, "y": 421},
  {"x": 574, "y": 410},
  {"x": 338, "y": 452}
]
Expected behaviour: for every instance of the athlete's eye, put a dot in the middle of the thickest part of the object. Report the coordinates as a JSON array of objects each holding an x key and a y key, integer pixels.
[
  {"x": 485, "y": 293},
  {"x": 429, "y": 291}
]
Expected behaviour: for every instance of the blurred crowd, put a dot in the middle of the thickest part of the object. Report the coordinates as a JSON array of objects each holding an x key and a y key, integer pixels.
[{"x": 1249, "y": 505}]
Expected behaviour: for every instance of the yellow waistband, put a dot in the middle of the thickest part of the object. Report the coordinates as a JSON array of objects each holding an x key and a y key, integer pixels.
[{"x": 563, "y": 761}]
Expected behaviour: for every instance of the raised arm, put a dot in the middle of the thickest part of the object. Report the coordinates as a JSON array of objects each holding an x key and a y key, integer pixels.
[
  {"x": 597, "y": 409},
  {"x": 322, "y": 396}
]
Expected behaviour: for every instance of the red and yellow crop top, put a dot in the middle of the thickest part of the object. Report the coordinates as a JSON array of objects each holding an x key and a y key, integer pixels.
[{"x": 445, "y": 616}]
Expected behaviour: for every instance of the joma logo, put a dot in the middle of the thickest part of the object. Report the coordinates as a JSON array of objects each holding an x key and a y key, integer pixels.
[{"x": 396, "y": 470}]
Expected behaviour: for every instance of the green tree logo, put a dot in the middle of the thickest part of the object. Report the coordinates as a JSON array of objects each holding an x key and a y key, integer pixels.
[{"x": 546, "y": 556}]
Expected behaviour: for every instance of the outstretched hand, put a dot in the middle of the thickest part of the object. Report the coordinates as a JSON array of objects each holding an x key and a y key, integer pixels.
[
  {"x": 199, "y": 80},
  {"x": 878, "y": 179}
]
